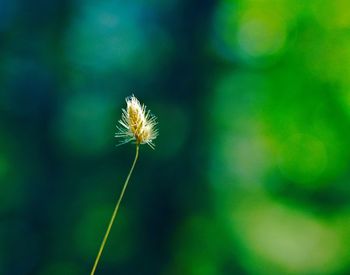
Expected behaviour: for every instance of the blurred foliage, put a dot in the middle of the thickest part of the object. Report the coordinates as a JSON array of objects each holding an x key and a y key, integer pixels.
[{"x": 251, "y": 170}]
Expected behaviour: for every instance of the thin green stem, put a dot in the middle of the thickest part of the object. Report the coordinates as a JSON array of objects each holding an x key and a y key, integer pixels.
[{"x": 115, "y": 212}]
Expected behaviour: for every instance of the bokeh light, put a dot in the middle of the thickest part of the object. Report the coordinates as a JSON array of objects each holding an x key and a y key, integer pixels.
[
  {"x": 283, "y": 238},
  {"x": 119, "y": 45},
  {"x": 84, "y": 124}
]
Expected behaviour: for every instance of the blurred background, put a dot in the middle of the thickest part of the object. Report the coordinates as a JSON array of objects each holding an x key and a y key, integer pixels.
[{"x": 251, "y": 169}]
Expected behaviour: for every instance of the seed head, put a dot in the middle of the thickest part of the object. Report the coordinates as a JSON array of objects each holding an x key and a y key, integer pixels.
[{"x": 138, "y": 124}]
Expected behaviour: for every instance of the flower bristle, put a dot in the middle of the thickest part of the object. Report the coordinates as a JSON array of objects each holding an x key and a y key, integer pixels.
[{"x": 138, "y": 124}]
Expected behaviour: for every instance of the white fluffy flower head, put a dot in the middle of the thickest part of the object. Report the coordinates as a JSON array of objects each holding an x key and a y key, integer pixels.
[{"x": 138, "y": 124}]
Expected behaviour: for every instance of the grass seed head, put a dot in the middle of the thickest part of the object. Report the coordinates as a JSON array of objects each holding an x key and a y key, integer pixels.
[{"x": 137, "y": 123}]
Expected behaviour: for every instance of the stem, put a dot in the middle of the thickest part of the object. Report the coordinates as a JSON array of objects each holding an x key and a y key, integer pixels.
[{"x": 115, "y": 212}]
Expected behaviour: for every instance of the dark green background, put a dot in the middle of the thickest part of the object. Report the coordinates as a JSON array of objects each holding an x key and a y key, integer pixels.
[{"x": 251, "y": 169}]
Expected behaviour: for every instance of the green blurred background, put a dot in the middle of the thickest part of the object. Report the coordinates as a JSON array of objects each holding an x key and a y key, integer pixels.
[{"x": 251, "y": 170}]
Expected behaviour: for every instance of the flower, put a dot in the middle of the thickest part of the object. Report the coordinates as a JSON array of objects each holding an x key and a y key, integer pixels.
[{"x": 137, "y": 123}]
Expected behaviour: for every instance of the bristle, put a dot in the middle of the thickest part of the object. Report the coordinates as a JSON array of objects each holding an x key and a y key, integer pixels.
[{"x": 137, "y": 123}]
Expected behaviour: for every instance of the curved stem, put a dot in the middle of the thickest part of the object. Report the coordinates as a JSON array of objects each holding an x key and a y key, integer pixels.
[{"x": 115, "y": 212}]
